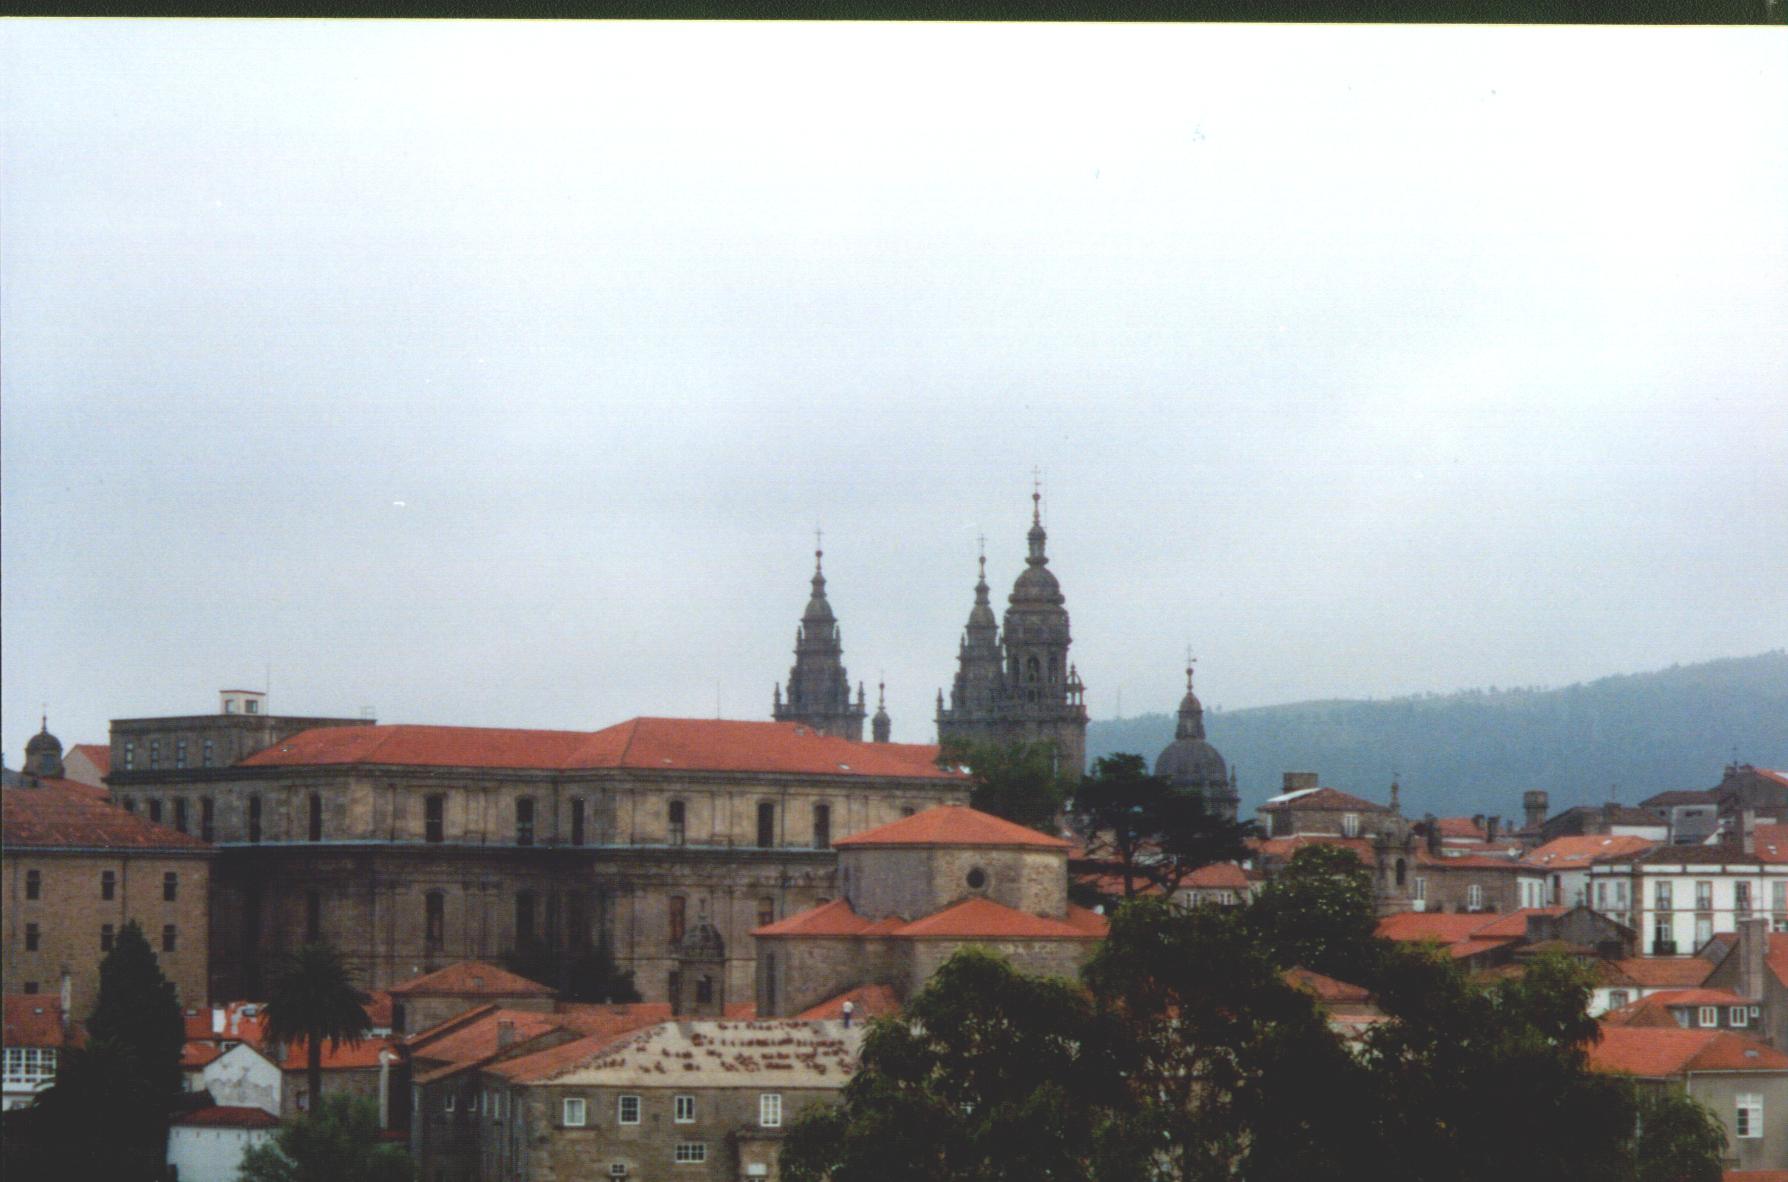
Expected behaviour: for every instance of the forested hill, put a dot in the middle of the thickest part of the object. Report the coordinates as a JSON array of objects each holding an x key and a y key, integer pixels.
[{"x": 1478, "y": 750}]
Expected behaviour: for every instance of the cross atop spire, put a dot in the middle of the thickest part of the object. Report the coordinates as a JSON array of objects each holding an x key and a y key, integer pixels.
[
  {"x": 1190, "y": 661},
  {"x": 1036, "y": 496},
  {"x": 818, "y": 552}
]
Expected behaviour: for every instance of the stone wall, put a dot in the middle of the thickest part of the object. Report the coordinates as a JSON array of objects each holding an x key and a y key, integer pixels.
[{"x": 917, "y": 880}]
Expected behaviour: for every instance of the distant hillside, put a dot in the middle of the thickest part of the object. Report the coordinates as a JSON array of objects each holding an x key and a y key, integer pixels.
[{"x": 1478, "y": 750}]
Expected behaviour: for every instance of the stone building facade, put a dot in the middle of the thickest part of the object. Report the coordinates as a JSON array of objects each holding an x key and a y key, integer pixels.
[
  {"x": 77, "y": 870},
  {"x": 411, "y": 847},
  {"x": 1015, "y": 684}
]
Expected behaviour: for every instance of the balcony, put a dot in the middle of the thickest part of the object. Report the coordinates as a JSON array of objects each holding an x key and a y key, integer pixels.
[{"x": 1663, "y": 947}]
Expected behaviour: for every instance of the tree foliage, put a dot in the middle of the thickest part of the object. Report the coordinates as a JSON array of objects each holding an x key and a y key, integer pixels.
[
  {"x": 1154, "y": 833},
  {"x": 589, "y": 974},
  {"x": 1318, "y": 913},
  {"x": 313, "y": 998},
  {"x": 339, "y": 1142},
  {"x": 1020, "y": 782},
  {"x": 1679, "y": 1140}
]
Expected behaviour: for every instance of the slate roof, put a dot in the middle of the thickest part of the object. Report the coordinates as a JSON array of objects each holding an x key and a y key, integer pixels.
[
  {"x": 1655, "y": 1053},
  {"x": 656, "y": 744},
  {"x": 470, "y": 978},
  {"x": 1678, "y": 796},
  {"x": 786, "y": 1053},
  {"x": 45, "y": 818},
  {"x": 953, "y": 825}
]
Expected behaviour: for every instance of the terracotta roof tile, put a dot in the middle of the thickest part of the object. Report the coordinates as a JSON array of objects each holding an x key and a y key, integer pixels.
[
  {"x": 1327, "y": 989},
  {"x": 867, "y": 1001},
  {"x": 952, "y": 824},
  {"x": 828, "y": 919},
  {"x": 1446, "y": 927},
  {"x": 344, "y": 1057},
  {"x": 1461, "y": 949},
  {"x": 470, "y": 978},
  {"x": 1771, "y": 843},
  {"x": 1567, "y": 853},
  {"x": 1775, "y": 956},
  {"x": 1287, "y": 847},
  {"x": 228, "y": 1117},
  {"x": 1216, "y": 876},
  {"x": 683, "y": 744},
  {"x": 195, "y": 1054},
  {"x": 1655, "y": 1053},
  {"x": 1698, "y": 855},
  {"x": 479, "y": 1039},
  {"x": 98, "y": 754},
  {"x": 1664, "y": 972},
  {"x": 1654, "y": 1009},
  {"x": 1323, "y": 798},
  {"x": 45, "y": 818},
  {"x": 33, "y": 1020},
  {"x": 1513, "y": 923},
  {"x": 974, "y": 919}
]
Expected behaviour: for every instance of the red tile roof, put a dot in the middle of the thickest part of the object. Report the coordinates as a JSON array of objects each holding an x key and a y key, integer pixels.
[
  {"x": 983, "y": 919},
  {"x": 44, "y": 818},
  {"x": 953, "y": 824},
  {"x": 1286, "y": 847},
  {"x": 1327, "y": 989},
  {"x": 1655, "y": 1053},
  {"x": 550, "y": 1062},
  {"x": 1754, "y": 1176},
  {"x": 33, "y": 1020},
  {"x": 1443, "y": 926},
  {"x": 230, "y": 1117},
  {"x": 1664, "y": 972},
  {"x": 867, "y": 1001},
  {"x": 828, "y": 919},
  {"x": 1568, "y": 853},
  {"x": 1771, "y": 843},
  {"x": 1218, "y": 875},
  {"x": 1775, "y": 956},
  {"x": 345, "y": 1057},
  {"x": 195, "y": 1054},
  {"x": 469, "y": 1042},
  {"x": 682, "y": 744},
  {"x": 1513, "y": 923},
  {"x": 1474, "y": 862},
  {"x": 1323, "y": 798},
  {"x": 470, "y": 978},
  {"x": 98, "y": 754}
]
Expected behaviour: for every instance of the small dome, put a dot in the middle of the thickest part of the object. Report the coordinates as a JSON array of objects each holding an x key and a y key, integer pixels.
[
  {"x": 43, "y": 741},
  {"x": 1037, "y": 585},
  {"x": 1191, "y": 762}
]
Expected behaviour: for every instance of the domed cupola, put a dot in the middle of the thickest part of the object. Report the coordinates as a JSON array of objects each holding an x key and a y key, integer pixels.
[
  {"x": 819, "y": 609},
  {"x": 1037, "y": 584},
  {"x": 1190, "y": 763},
  {"x": 43, "y": 754}
]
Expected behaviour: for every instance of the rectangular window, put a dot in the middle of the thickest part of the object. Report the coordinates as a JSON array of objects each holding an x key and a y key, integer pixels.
[
  {"x": 251, "y": 707},
  {"x": 1704, "y": 896},
  {"x": 1735, "y": 1015},
  {"x": 1474, "y": 897},
  {"x": 577, "y": 821},
  {"x": 208, "y": 753},
  {"x": 524, "y": 918},
  {"x": 689, "y": 1153},
  {"x": 170, "y": 937},
  {"x": 769, "y": 1110},
  {"x": 1748, "y": 1115},
  {"x": 155, "y": 810},
  {"x": 574, "y": 1114},
  {"x": 179, "y": 752},
  {"x": 130, "y": 756},
  {"x": 154, "y": 753},
  {"x": 1741, "y": 899},
  {"x": 108, "y": 884},
  {"x": 1620, "y": 894},
  {"x": 627, "y": 1110},
  {"x": 254, "y": 818},
  {"x": 766, "y": 911},
  {"x": 1709, "y": 1015},
  {"x": 524, "y": 821},
  {"x": 33, "y": 884},
  {"x": 434, "y": 819},
  {"x": 170, "y": 887},
  {"x": 1350, "y": 824},
  {"x": 105, "y": 938},
  {"x": 448, "y": 1103},
  {"x": 1617, "y": 998},
  {"x": 180, "y": 813},
  {"x": 31, "y": 937},
  {"x": 684, "y": 1110},
  {"x": 1601, "y": 896},
  {"x": 316, "y": 817},
  {"x": 1662, "y": 895},
  {"x": 207, "y": 819},
  {"x": 676, "y": 816},
  {"x": 822, "y": 826},
  {"x": 1778, "y": 897},
  {"x": 1420, "y": 891},
  {"x": 1703, "y": 932},
  {"x": 766, "y": 825},
  {"x": 435, "y": 919},
  {"x": 677, "y": 915}
]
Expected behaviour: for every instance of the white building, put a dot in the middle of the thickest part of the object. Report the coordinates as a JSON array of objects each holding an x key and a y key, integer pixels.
[
  {"x": 207, "y": 1145},
  {"x": 1679, "y": 896}
]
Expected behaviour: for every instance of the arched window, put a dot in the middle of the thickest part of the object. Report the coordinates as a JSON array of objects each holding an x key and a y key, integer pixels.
[{"x": 1030, "y": 669}]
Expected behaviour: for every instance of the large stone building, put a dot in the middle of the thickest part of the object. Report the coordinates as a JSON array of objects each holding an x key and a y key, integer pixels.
[
  {"x": 1015, "y": 684},
  {"x": 410, "y": 847}
]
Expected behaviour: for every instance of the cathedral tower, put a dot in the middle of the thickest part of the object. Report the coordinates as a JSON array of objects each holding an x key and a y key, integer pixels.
[
  {"x": 1015, "y": 684},
  {"x": 819, "y": 691}
]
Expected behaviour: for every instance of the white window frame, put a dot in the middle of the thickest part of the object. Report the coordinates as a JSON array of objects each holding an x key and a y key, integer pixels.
[
  {"x": 574, "y": 1113},
  {"x": 622, "y": 1104},
  {"x": 1748, "y": 1115},
  {"x": 448, "y": 1102},
  {"x": 1618, "y": 998},
  {"x": 683, "y": 1109},
  {"x": 1735, "y": 1016},
  {"x": 1420, "y": 892},
  {"x": 1474, "y": 897},
  {"x": 690, "y": 1153},
  {"x": 1709, "y": 1016},
  {"x": 1350, "y": 824},
  {"x": 769, "y": 1110}
]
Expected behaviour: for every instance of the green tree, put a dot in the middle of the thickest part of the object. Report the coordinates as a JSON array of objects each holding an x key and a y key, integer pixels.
[
  {"x": 339, "y": 1142},
  {"x": 313, "y": 998},
  {"x": 586, "y": 975},
  {"x": 1155, "y": 834},
  {"x": 1319, "y": 913},
  {"x": 54, "y": 1138},
  {"x": 988, "y": 1074},
  {"x": 1679, "y": 1140},
  {"x": 1020, "y": 782}
]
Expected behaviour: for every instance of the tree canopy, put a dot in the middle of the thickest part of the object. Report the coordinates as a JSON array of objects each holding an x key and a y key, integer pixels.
[
  {"x": 1020, "y": 782},
  {"x": 1319, "y": 913},
  {"x": 1153, "y": 833},
  {"x": 339, "y": 1142},
  {"x": 313, "y": 998}
]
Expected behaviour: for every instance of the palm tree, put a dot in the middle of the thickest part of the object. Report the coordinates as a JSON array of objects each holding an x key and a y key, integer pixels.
[{"x": 313, "y": 998}]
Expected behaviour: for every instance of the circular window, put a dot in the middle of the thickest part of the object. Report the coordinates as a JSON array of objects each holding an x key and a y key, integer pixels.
[{"x": 977, "y": 878}]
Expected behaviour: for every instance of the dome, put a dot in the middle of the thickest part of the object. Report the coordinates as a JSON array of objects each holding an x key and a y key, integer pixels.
[
  {"x": 1189, "y": 760},
  {"x": 1037, "y": 585},
  {"x": 43, "y": 741},
  {"x": 819, "y": 611}
]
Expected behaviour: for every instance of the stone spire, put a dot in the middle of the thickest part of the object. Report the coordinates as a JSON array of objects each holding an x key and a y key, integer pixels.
[
  {"x": 819, "y": 690},
  {"x": 881, "y": 726}
]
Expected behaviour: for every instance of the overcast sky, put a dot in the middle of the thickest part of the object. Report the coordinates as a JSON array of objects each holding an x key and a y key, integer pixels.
[{"x": 499, "y": 374}]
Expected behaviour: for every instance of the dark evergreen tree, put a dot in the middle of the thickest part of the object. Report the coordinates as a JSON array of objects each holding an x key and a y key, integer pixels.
[
  {"x": 1318, "y": 913},
  {"x": 1018, "y": 782},
  {"x": 1154, "y": 834},
  {"x": 1679, "y": 1140},
  {"x": 313, "y": 998}
]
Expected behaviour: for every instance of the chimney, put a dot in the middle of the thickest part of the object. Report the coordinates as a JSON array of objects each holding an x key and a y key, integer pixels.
[
  {"x": 1491, "y": 825},
  {"x": 1753, "y": 947},
  {"x": 65, "y": 998},
  {"x": 1747, "y": 835},
  {"x": 1432, "y": 828},
  {"x": 1299, "y": 781},
  {"x": 1534, "y": 804},
  {"x": 505, "y": 1032}
]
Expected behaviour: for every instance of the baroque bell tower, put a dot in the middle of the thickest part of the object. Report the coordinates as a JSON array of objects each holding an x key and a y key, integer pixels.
[{"x": 819, "y": 690}]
